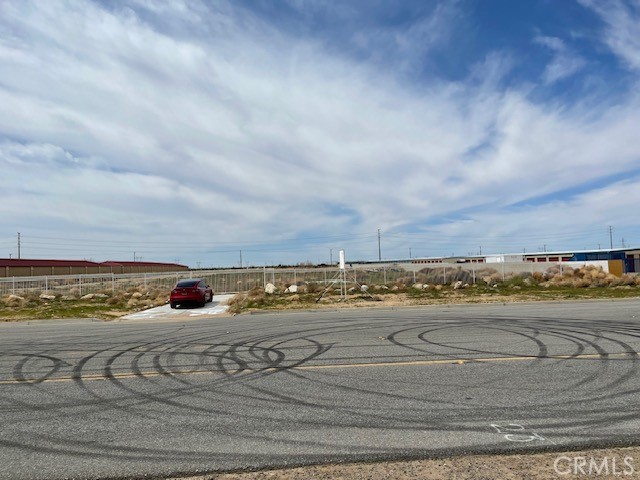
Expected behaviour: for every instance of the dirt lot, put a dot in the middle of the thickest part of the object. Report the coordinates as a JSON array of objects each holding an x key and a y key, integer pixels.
[{"x": 604, "y": 464}]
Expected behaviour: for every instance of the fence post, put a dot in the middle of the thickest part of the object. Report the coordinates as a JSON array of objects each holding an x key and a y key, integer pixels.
[
  {"x": 145, "y": 280},
  {"x": 384, "y": 274},
  {"x": 113, "y": 283},
  {"x": 444, "y": 275},
  {"x": 473, "y": 273},
  {"x": 13, "y": 286},
  {"x": 46, "y": 284},
  {"x": 80, "y": 284}
]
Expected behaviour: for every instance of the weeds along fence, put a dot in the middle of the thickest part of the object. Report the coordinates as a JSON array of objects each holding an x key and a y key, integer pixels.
[
  {"x": 237, "y": 280},
  {"x": 222, "y": 281}
]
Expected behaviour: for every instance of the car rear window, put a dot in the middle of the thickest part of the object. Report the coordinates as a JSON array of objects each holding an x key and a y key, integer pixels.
[{"x": 187, "y": 283}]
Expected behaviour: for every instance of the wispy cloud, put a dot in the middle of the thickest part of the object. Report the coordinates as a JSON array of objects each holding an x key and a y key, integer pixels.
[
  {"x": 146, "y": 120},
  {"x": 622, "y": 18},
  {"x": 565, "y": 62}
]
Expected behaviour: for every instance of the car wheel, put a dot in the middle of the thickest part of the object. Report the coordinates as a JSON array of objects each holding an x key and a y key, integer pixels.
[
  {"x": 204, "y": 300},
  {"x": 172, "y": 305}
]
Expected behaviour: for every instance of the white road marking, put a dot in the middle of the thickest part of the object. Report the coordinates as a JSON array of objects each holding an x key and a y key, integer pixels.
[{"x": 515, "y": 432}]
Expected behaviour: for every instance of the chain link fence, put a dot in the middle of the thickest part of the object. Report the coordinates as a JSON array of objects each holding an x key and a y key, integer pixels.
[
  {"x": 243, "y": 280},
  {"x": 222, "y": 281}
]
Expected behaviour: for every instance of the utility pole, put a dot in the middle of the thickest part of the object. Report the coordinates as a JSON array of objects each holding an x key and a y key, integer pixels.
[
  {"x": 18, "y": 245},
  {"x": 134, "y": 256},
  {"x": 331, "y": 256},
  {"x": 240, "y": 258},
  {"x": 611, "y": 237},
  {"x": 379, "y": 251},
  {"x": 623, "y": 244},
  {"x": 410, "y": 253}
]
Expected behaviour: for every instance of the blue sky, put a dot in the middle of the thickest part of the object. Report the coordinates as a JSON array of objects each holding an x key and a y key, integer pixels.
[{"x": 188, "y": 130}]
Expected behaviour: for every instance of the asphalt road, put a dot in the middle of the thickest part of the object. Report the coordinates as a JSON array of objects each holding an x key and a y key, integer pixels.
[{"x": 83, "y": 399}]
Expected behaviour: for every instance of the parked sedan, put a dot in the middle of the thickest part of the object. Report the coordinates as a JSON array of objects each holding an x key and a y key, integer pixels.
[{"x": 193, "y": 290}]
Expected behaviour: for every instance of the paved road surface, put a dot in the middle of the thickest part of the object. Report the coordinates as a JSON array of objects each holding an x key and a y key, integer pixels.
[{"x": 119, "y": 399}]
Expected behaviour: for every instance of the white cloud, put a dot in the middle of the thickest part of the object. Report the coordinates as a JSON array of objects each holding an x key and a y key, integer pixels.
[
  {"x": 564, "y": 64},
  {"x": 622, "y": 18},
  {"x": 235, "y": 132}
]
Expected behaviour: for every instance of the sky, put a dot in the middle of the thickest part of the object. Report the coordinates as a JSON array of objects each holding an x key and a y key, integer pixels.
[{"x": 279, "y": 132}]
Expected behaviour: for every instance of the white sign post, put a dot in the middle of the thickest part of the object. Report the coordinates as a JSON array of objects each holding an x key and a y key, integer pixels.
[{"x": 343, "y": 274}]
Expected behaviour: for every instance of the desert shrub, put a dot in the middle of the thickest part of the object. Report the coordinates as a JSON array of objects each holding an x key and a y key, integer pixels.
[
  {"x": 459, "y": 275},
  {"x": 14, "y": 301},
  {"x": 623, "y": 281},
  {"x": 312, "y": 287},
  {"x": 255, "y": 292},
  {"x": 243, "y": 301},
  {"x": 492, "y": 279}
]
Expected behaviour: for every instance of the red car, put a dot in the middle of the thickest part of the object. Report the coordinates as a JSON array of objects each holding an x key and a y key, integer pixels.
[{"x": 193, "y": 290}]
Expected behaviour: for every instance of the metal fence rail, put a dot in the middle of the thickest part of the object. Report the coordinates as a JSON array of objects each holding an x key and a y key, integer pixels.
[
  {"x": 222, "y": 281},
  {"x": 236, "y": 280}
]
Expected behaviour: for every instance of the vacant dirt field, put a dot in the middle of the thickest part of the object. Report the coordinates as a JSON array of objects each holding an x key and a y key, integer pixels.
[{"x": 603, "y": 463}]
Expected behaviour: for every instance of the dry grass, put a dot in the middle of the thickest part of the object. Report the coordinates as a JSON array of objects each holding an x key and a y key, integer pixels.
[{"x": 102, "y": 304}]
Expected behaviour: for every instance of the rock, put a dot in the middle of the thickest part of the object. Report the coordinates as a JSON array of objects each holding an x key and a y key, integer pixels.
[
  {"x": 46, "y": 296},
  {"x": 291, "y": 289},
  {"x": 438, "y": 287},
  {"x": 418, "y": 286},
  {"x": 384, "y": 287},
  {"x": 458, "y": 285},
  {"x": 88, "y": 296},
  {"x": 364, "y": 288},
  {"x": 270, "y": 289},
  {"x": 136, "y": 295},
  {"x": 426, "y": 286},
  {"x": 395, "y": 288},
  {"x": 100, "y": 295}
]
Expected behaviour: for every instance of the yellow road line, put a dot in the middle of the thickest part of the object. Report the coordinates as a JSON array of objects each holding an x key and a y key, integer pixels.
[{"x": 458, "y": 361}]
